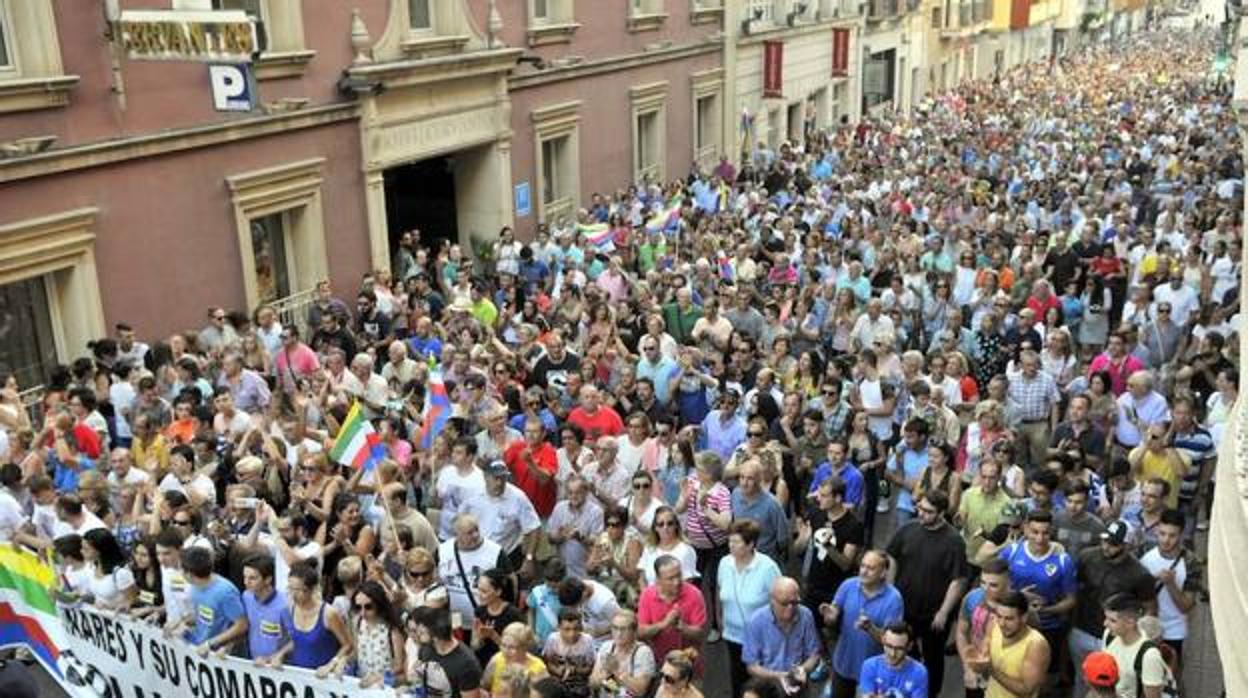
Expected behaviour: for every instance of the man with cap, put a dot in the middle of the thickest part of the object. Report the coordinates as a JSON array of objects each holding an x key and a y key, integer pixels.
[
  {"x": 1102, "y": 572},
  {"x": 505, "y": 515},
  {"x": 1100, "y": 673}
]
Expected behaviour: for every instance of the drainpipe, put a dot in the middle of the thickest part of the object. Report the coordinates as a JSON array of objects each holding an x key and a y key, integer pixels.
[{"x": 112, "y": 15}]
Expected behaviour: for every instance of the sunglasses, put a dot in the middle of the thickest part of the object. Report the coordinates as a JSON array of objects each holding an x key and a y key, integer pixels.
[
  {"x": 420, "y": 573},
  {"x": 756, "y": 434},
  {"x": 639, "y": 486},
  {"x": 665, "y": 524},
  {"x": 668, "y": 678}
]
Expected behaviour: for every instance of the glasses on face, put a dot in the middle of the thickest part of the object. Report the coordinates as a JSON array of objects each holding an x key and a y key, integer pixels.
[
  {"x": 788, "y": 603},
  {"x": 218, "y": 317},
  {"x": 668, "y": 678},
  {"x": 181, "y": 522},
  {"x": 664, "y": 432},
  {"x": 666, "y": 523},
  {"x": 639, "y": 486},
  {"x": 418, "y": 573}
]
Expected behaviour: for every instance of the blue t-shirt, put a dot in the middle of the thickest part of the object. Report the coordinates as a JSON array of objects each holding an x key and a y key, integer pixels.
[
  {"x": 64, "y": 478},
  {"x": 216, "y": 606},
  {"x": 1052, "y": 576},
  {"x": 545, "y": 604},
  {"x": 907, "y": 681},
  {"x": 854, "y": 645},
  {"x": 855, "y": 486},
  {"x": 912, "y": 465},
  {"x": 264, "y": 624}
]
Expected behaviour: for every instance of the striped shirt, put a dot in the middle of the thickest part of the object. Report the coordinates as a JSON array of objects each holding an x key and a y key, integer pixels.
[
  {"x": 701, "y": 532},
  {"x": 1198, "y": 446}
]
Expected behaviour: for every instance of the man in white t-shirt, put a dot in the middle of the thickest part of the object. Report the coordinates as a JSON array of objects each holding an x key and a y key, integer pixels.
[
  {"x": 73, "y": 517},
  {"x": 1178, "y": 579},
  {"x": 197, "y": 487},
  {"x": 1183, "y": 300},
  {"x": 12, "y": 515},
  {"x": 174, "y": 586},
  {"x": 1124, "y": 641},
  {"x": 457, "y": 483},
  {"x": 286, "y": 540}
]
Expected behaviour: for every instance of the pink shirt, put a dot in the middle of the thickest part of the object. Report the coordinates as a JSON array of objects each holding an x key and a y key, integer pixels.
[
  {"x": 701, "y": 531},
  {"x": 651, "y": 609},
  {"x": 1118, "y": 372},
  {"x": 301, "y": 361}
]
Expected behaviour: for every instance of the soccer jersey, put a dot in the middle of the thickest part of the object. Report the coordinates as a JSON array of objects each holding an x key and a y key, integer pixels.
[{"x": 1051, "y": 576}]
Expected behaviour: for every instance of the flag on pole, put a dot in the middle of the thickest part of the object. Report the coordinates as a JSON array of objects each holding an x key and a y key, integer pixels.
[
  {"x": 27, "y": 609},
  {"x": 598, "y": 235},
  {"x": 437, "y": 409},
  {"x": 357, "y": 444}
]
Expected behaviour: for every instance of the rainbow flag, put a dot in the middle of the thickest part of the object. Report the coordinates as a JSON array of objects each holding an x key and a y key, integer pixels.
[
  {"x": 667, "y": 220},
  {"x": 437, "y": 409},
  {"x": 597, "y": 235},
  {"x": 357, "y": 444},
  {"x": 27, "y": 608}
]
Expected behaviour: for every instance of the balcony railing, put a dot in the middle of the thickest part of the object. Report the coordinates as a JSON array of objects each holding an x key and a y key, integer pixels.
[
  {"x": 292, "y": 311},
  {"x": 883, "y": 9}
]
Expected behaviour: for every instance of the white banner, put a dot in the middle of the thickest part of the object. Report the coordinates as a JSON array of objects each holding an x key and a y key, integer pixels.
[{"x": 112, "y": 656}]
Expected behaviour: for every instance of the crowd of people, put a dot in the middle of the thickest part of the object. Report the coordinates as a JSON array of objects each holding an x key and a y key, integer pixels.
[{"x": 945, "y": 380}]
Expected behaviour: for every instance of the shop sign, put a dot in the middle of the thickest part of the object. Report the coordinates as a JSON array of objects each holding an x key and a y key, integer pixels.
[{"x": 163, "y": 35}]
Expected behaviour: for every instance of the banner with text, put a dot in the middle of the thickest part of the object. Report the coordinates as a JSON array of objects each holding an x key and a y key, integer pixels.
[{"x": 112, "y": 656}]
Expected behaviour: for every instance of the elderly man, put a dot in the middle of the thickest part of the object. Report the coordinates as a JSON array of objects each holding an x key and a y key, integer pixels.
[
  {"x": 373, "y": 391},
  {"x": 574, "y": 525},
  {"x": 461, "y": 562},
  {"x": 506, "y": 516},
  {"x": 250, "y": 391},
  {"x": 751, "y": 501},
  {"x": 400, "y": 369},
  {"x": 781, "y": 641},
  {"x": 1139, "y": 408},
  {"x": 871, "y": 326},
  {"x": 595, "y": 418},
  {"x": 1038, "y": 402},
  {"x": 534, "y": 464},
  {"x": 862, "y": 608},
  {"x": 680, "y": 317},
  {"x": 671, "y": 613}
]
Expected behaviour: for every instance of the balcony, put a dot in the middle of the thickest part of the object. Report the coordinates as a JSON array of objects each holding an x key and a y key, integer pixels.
[{"x": 883, "y": 10}]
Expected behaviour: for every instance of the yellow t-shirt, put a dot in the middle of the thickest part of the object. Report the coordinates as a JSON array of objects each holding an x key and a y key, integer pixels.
[
  {"x": 533, "y": 666},
  {"x": 1155, "y": 464},
  {"x": 1009, "y": 660}
]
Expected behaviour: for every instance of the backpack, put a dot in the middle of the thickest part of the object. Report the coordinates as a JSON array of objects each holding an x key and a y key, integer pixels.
[{"x": 1169, "y": 688}]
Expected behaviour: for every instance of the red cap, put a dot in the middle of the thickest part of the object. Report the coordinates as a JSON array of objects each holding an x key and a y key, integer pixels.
[{"x": 1100, "y": 670}]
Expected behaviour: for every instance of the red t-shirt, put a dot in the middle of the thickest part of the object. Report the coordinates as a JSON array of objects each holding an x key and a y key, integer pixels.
[
  {"x": 88, "y": 440},
  {"x": 542, "y": 495},
  {"x": 604, "y": 422},
  {"x": 651, "y": 609}
]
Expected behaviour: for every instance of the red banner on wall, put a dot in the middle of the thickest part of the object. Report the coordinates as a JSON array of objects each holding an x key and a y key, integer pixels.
[
  {"x": 840, "y": 52},
  {"x": 773, "y": 68}
]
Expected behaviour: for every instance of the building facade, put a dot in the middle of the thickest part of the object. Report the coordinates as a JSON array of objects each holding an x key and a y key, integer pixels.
[
  {"x": 792, "y": 66},
  {"x": 125, "y": 196}
]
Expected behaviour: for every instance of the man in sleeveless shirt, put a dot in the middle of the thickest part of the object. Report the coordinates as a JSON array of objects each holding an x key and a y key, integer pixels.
[{"x": 1016, "y": 656}]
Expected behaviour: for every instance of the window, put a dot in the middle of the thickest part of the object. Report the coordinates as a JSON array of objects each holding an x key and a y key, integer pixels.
[
  {"x": 838, "y": 109},
  {"x": 649, "y": 127},
  {"x": 255, "y": 10},
  {"x": 31, "y": 73},
  {"x": 556, "y": 134},
  {"x": 420, "y": 15},
  {"x": 551, "y": 22},
  {"x": 27, "y": 341},
  {"x": 4, "y": 44},
  {"x": 705, "y": 11},
  {"x": 708, "y": 133},
  {"x": 795, "y": 121},
  {"x": 281, "y": 231},
  {"x": 49, "y": 292},
  {"x": 645, "y": 15},
  {"x": 268, "y": 249},
  {"x": 279, "y": 34},
  {"x": 773, "y": 129},
  {"x": 761, "y": 10}
]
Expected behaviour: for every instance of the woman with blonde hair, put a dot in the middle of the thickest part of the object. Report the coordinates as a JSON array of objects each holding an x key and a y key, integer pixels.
[
  {"x": 513, "y": 660},
  {"x": 676, "y": 675},
  {"x": 985, "y": 430},
  {"x": 419, "y": 586}
]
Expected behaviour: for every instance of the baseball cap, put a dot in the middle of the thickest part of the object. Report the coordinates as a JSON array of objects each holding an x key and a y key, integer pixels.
[
  {"x": 497, "y": 469},
  {"x": 1100, "y": 670},
  {"x": 1116, "y": 532}
]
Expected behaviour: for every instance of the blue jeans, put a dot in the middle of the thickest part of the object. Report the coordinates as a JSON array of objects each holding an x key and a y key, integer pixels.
[{"x": 1081, "y": 644}]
